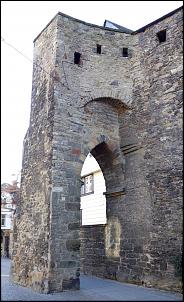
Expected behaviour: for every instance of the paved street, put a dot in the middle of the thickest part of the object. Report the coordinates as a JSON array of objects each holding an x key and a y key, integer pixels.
[{"x": 92, "y": 289}]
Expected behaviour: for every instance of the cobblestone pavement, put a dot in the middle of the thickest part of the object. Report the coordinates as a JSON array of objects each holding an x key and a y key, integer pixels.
[{"x": 92, "y": 289}]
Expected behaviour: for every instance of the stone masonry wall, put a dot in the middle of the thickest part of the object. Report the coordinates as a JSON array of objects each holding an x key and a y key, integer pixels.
[
  {"x": 32, "y": 222},
  {"x": 93, "y": 250},
  {"x": 80, "y": 124},
  {"x": 127, "y": 113},
  {"x": 155, "y": 123}
]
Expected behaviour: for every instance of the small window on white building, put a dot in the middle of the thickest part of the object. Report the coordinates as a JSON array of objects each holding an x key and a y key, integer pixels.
[
  {"x": 3, "y": 219},
  {"x": 9, "y": 206},
  {"x": 87, "y": 185},
  {"x": 82, "y": 186}
]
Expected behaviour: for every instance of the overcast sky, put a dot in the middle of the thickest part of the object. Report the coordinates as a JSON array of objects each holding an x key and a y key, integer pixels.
[{"x": 21, "y": 22}]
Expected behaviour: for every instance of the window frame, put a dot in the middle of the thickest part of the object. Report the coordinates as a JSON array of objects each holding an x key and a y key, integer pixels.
[
  {"x": 84, "y": 185},
  {"x": 3, "y": 219}
]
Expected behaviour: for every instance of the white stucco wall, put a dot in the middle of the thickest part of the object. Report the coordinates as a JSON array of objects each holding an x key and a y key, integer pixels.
[{"x": 93, "y": 206}]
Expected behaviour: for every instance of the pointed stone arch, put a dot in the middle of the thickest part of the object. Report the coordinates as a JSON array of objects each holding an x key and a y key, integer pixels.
[{"x": 105, "y": 239}]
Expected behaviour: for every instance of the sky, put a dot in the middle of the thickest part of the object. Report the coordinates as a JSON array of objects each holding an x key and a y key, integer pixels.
[{"x": 21, "y": 22}]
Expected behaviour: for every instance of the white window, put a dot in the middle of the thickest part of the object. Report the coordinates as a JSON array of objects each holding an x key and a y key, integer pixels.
[
  {"x": 3, "y": 219},
  {"x": 87, "y": 185},
  {"x": 9, "y": 206},
  {"x": 82, "y": 186}
]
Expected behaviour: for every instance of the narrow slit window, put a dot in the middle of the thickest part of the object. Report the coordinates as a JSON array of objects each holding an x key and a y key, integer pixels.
[
  {"x": 98, "y": 48},
  {"x": 77, "y": 56},
  {"x": 125, "y": 52},
  {"x": 162, "y": 36}
]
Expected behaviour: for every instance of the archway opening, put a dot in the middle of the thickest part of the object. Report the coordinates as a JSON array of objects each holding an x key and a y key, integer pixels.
[
  {"x": 93, "y": 218},
  {"x": 93, "y": 189},
  {"x": 100, "y": 230}
]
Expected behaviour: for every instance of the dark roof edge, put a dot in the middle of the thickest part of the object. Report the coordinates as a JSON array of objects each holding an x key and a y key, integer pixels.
[
  {"x": 156, "y": 21},
  {"x": 74, "y": 19},
  {"x": 109, "y": 29},
  {"x": 89, "y": 24}
]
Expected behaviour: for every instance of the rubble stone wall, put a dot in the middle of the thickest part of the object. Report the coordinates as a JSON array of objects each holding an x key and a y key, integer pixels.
[
  {"x": 127, "y": 112},
  {"x": 155, "y": 123},
  {"x": 32, "y": 220}
]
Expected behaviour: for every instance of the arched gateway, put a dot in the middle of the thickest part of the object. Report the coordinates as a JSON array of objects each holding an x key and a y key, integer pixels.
[{"x": 85, "y": 100}]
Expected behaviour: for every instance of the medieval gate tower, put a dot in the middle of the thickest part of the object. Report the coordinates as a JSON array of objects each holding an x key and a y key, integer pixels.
[{"x": 116, "y": 94}]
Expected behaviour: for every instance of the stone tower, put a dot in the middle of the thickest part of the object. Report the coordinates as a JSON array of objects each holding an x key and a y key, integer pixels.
[{"x": 117, "y": 95}]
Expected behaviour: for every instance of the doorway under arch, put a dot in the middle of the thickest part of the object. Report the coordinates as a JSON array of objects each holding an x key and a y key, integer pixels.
[{"x": 100, "y": 239}]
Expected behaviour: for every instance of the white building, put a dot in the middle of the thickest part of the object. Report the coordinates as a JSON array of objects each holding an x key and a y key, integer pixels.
[
  {"x": 8, "y": 206},
  {"x": 6, "y": 230},
  {"x": 93, "y": 201},
  {"x": 7, "y": 210},
  {"x": 6, "y": 219}
]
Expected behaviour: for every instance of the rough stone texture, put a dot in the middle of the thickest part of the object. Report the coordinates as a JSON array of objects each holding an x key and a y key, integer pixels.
[
  {"x": 93, "y": 250},
  {"x": 156, "y": 124},
  {"x": 32, "y": 222},
  {"x": 125, "y": 111}
]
